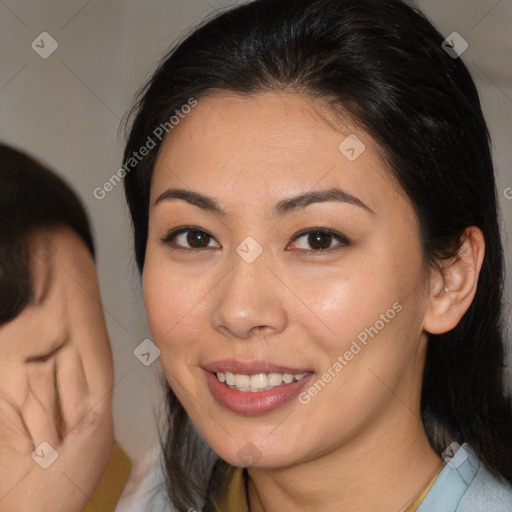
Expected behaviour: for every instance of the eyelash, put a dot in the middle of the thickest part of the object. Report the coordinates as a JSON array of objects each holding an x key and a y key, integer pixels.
[{"x": 344, "y": 241}]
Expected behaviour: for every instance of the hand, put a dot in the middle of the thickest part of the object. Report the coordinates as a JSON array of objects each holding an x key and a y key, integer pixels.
[
  {"x": 72, "y": 420},
  {"x": 56, "y": 384}
]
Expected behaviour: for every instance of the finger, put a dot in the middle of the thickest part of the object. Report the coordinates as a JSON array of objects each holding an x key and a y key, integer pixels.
[
  {"x": 90, "y": 331},
  {"x": 14, "y": 435},
  {"x": 41, "y": 411},
  {"x": 73, "y": 387}
]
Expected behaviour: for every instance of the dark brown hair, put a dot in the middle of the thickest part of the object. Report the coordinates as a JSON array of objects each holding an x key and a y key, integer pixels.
[
  {"x": 383, "y": 62},
  {"x": 31, "y": 197}
]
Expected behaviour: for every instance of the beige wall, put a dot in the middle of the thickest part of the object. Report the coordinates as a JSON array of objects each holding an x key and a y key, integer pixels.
[{"x": 66, "y": 110}]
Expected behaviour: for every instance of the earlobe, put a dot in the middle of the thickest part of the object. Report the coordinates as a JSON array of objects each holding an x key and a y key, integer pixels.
[{"x": 453, "y": 288}]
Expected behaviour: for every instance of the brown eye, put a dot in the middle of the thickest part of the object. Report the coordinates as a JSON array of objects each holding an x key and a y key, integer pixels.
[
  {"x": 188, "y": 238},
  {"x": 320, "y": 240},
  {"x": 198, "y": 238}
]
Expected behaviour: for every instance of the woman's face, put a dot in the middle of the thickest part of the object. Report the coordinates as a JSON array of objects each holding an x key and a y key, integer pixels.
[{"x": 252, "y": 289}]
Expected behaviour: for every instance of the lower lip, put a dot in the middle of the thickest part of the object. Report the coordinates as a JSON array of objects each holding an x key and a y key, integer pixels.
[{"x": 259, "y": 402}]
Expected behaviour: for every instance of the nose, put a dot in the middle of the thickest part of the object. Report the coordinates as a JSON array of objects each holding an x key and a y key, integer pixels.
[{"x": 250, "y": 300}]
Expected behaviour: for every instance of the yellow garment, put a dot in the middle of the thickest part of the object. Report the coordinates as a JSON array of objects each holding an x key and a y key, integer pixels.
[
  {"x": 234, "y": 500},
  {"x": 111, "y": 486},
  {"x": 416, "y": 503}
]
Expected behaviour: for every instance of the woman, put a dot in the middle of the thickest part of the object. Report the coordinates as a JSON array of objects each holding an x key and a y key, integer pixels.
[
  {"x": 57, "y": 447},
  {"x": 316, "y": 227}
]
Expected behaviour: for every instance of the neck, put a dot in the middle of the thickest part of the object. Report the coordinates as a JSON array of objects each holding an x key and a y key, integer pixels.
[{"x": 381, "y": 469}]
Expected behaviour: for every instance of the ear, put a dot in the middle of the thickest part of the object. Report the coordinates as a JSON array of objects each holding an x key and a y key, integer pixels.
[{"x": 453, "y": 288}]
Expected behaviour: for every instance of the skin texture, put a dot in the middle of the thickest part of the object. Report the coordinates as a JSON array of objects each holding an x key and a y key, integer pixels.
[
  {"x": 65, "y": 400},
  {"x": 359, "y": 444}
]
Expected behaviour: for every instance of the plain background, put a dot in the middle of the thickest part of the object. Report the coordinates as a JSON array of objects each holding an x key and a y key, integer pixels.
[{"x": 66, "y": 111}]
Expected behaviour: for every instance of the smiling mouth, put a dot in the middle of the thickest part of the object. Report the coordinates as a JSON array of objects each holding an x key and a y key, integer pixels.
[{"x": 258, "y": 381}]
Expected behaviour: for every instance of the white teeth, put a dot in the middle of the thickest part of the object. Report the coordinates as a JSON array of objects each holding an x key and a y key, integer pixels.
[
  {"x": 275, "y": 379},
  {"x": 242, "y": 381},
  {"x": 258, "y": 381}
]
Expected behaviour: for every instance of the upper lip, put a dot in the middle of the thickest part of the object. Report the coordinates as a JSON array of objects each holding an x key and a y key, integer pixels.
[{"x": 251, "y": 368}]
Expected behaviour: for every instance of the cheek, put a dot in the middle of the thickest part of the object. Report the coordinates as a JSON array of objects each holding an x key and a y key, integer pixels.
[
  {"x": 168, "y": 300},
  {"x": 369, "y": 314},
  {"x": 174, "y": 302},
  {"x": 347, "y": 302}
]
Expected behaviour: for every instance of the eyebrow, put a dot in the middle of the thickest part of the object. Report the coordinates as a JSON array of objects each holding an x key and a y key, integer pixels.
[{"x": 280, "y": 209}]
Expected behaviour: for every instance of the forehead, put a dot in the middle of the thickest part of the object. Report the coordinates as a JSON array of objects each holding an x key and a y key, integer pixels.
[{"x": 268, "y": 143}]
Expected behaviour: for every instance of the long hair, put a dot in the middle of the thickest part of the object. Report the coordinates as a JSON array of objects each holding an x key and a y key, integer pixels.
[{"x": 383, "y": 63}]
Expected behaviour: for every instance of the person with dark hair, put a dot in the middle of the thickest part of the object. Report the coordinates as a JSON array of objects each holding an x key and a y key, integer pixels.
[
  {"x": 57, "y": 448},
  {"x": 316, "y": 225}
]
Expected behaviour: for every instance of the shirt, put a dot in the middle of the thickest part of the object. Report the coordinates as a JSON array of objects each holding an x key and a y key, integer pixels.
[{"x": 466, "y": 485}]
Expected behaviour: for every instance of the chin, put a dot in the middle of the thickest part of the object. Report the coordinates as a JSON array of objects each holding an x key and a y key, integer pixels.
[{"x": 253, "y": 455}]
